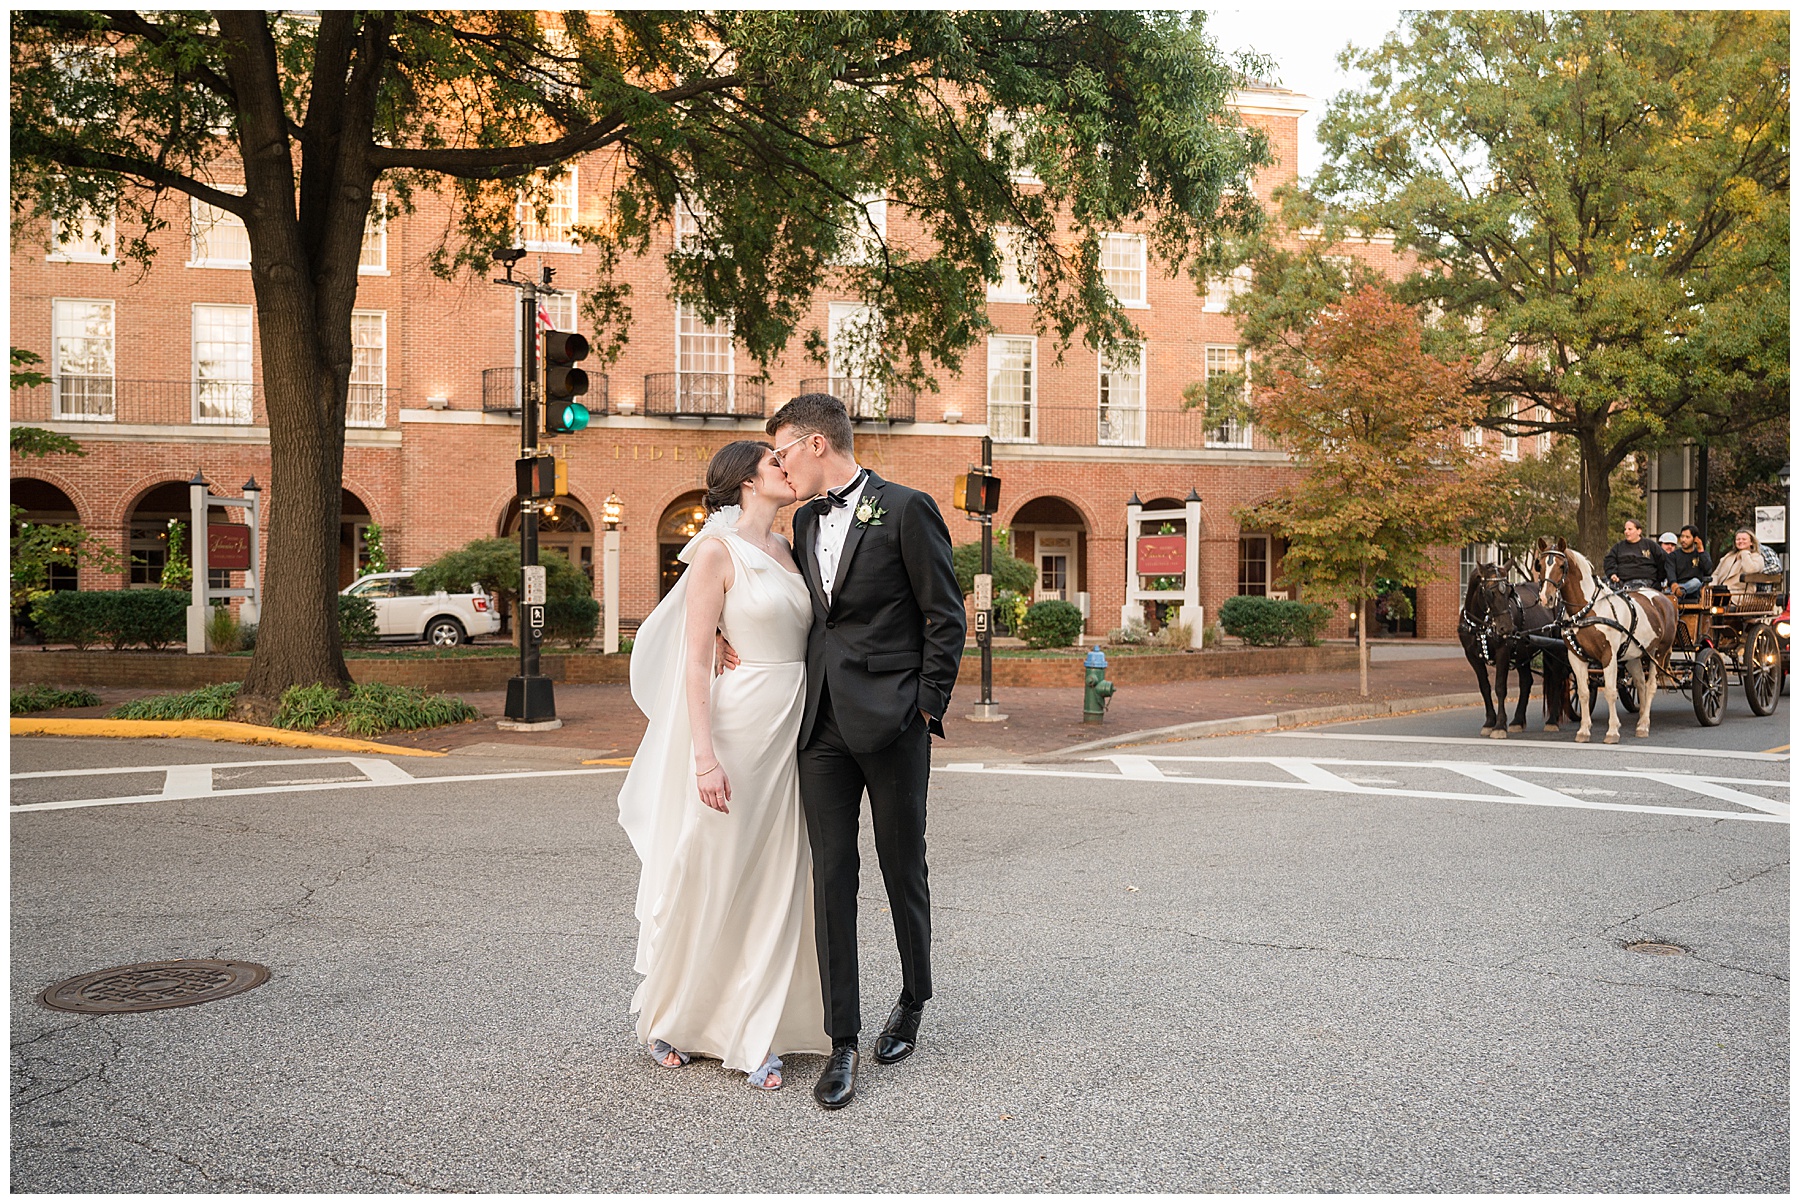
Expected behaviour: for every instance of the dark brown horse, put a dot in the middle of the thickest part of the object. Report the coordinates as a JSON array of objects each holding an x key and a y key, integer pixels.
[{"x": 1497, "y": 622}]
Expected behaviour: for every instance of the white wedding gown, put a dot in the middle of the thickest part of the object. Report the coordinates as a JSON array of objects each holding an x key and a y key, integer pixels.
[{"x": 725, "y": 902}]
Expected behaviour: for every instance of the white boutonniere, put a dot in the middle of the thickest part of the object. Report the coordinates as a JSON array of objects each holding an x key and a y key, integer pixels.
[{"x": 868, "y": 514}]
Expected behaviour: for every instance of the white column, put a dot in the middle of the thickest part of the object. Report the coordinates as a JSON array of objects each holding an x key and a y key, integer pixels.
[
  {"x": 251, "y": 610},
  {"x": 609, "y": 568},
  {"x": 1191, "y": 610},
  {"x": 196, "y": 612},
  {"x": 1132, "y": 608}
]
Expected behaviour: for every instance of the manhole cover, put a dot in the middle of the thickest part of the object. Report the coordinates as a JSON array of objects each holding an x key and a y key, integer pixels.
[
  {"x": 152, "y": 985},
  {"x": 1656, "y": 947}
]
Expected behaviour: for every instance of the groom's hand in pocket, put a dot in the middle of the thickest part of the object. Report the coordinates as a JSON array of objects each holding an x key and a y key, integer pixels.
[{"x": 725, "y": 657}]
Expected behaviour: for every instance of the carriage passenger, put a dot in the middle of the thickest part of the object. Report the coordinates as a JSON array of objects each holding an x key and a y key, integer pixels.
[
  {"x": 1690, "y": 565},
  {"x": 1635, "y": 562},
  {"x": 1747, "y": 557}
]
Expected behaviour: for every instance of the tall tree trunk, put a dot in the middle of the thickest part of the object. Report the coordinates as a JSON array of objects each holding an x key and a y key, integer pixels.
[
  {"x": 1362, "y": 631},
  {"x": 1591, "y": 534}
]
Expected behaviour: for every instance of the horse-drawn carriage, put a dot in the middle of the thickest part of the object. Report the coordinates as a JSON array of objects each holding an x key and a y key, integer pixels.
[{"x": 1585, "y": 632}]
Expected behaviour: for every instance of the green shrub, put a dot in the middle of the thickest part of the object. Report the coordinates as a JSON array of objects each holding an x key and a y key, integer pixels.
[
  {"x": 1009, "y": 611},
  {"x": 26, "y": 699},
  {"x": 119, "y": 617},
  {"x": 223, "y": 632},
  {"x": 626, "y": 643},
  {"x": 370, "y": 709},
  {"x": 1271, "y": 622},
  {"x": 208, "y": 702},
  {"x": 356, "y": 621},
  {"x": 1010, "y": 573},
  {"x": 1051, "y": 624},
  {"x": 571, "y": 622},
  {"x": 1133, "y": 632}
]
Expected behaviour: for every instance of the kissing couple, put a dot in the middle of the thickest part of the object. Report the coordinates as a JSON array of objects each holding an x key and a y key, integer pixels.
[{"x": 780, "y": 684}]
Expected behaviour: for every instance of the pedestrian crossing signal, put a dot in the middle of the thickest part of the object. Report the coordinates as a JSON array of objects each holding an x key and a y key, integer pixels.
[{"x": 977, "y": 493}]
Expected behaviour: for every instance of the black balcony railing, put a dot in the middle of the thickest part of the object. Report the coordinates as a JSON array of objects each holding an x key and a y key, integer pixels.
[
  {"x": 126, "y": 401},
  {"x": 702, "y": 395},
  {"x": 500, "y": 392},
  {"x": 867, "y": 400}
]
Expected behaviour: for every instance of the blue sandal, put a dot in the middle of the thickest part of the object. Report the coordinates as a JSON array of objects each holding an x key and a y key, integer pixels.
[
  {"x": 662, "y": 1049},
  {"x": 759, "y": 1078}
]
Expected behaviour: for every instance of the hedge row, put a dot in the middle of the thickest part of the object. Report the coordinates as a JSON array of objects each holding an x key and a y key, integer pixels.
[
  {"x": 154, "y": 618},
  {"x": 1270, "y": 622}
]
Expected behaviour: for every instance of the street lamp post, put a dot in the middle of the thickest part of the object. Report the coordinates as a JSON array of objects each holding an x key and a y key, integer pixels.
[{"x": 611, "y": 511}]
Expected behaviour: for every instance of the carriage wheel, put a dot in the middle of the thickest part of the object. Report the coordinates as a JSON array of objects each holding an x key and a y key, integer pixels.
[
  {"x": 1628, "y": 695},
  {"x": 1708, "y": 687},
  {"x": 1760, "y": 669}
]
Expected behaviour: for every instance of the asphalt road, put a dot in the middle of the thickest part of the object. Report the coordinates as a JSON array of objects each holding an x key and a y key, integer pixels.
[{"x": 1319, "y": 961}]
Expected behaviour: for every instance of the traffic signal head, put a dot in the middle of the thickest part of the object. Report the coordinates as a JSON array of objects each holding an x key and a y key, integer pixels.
[
  {"x": 977, "y": 493},
  {"x": 564, "y": 382}
]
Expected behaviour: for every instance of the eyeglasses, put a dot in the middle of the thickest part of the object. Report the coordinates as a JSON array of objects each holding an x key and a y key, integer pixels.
[{"x": 791, "y": 443}]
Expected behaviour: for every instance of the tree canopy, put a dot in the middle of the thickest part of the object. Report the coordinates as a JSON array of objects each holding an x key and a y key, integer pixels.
[
  {"x": 1595, "y": 208},
  {"x": 1376, "y": 423},
  {"x": 772, "y": 129}
]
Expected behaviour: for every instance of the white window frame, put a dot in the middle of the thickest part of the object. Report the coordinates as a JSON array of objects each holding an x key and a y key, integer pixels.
[
  {"x": 89, "y": 57},
  {"x": 56, "y": 373},
  {"x": 682, "y": 309},
  {"x": 1121, "y": 425},
  {"x": 1018, "y": 268},
  {"x": 1004, "y": 124},
  {"x": 1472, "y": 438},
  {"x": 371, "y": 416},
  {"x": 375, "y": 225},
  {"x": 1117, "y": 238},
  {"x": 224, "y": 218},
  {"x": 1020, "y": 424},
  {"x": 523, "y": 212},
  {"x": 1219, "y": 292},
  {"x": 1231, "y": 434},
  {"x": 854, "y": 381},
  {"x": 868, "y": 220},
  {"x": 1268, "y": 562},
  {"x": 239, "y": 401},
  {"x": 85, "y": 249}
]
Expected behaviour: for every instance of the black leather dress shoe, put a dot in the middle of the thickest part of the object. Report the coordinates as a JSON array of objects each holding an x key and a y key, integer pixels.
[
  {"x": 900, "y": 1036},
  {"x": 837, "y": 1084}
]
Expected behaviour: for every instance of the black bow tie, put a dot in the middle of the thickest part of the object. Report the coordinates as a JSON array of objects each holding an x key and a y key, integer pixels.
[{"x": 822, "y": 506}]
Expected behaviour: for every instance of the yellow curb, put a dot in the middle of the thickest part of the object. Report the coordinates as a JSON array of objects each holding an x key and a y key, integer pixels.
[
  {"x": 609, "y": 761},
  {"x": 207, "y": 729}
]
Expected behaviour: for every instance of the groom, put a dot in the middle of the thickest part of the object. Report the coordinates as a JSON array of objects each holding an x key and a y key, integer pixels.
[{"x": 882, "y": 656}]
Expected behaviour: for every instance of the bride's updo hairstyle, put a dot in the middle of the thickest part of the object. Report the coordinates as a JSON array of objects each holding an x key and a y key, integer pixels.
[{"x": 729, "y": 468}]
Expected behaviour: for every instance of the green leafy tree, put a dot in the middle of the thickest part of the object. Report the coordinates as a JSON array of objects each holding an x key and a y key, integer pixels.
[
  {"x": 770, "y": 125},
  {"x": 1010, "y": 573},
  {"x": 35, "y": 440},
  {"x": 1536, "y": 496},
  {"x": 178, "y": 570},
  {"x": 377, "y": 561},
  {"x": 1595, "y": 207},
  {"x": 1376, "y": 423},
  {"x": 493, "y": 564}
]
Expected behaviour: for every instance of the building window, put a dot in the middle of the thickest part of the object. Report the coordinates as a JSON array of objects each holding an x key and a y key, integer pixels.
[
  {"x": 222, "y": 363},
  {"x": 368, "y": 368},
  {"x": 1472, "y": 438},
  {"x": 83, "y": 94},
  {"x": 1005, "y": 138},
  {"x": 868, "y": 230},
  {"x": 218, "y": 239},
  {"x": 1220, "y": 292},
  {"x": 1509, "y": 447},
  {"x": 1253, "y": 565},
  {"x": 556, "y": 311},
  {"x": 1012, "y": 389},
  {"x": 1122, "y": 263},
  {"x": 1122, "y": 394},
  {"x": 91, "y": 239},
  {"x": 149, "y": 553},
  {"x": 1018, "y": 266},
  {"x": 1231, "y": 429},
  {"x": 556, "y": 230},
  {"x": 373, "y": 260},
  {"x": 703, "y": 361},
  {"x": 855, "y": 359},
  {"x": 82, "y": 359}
]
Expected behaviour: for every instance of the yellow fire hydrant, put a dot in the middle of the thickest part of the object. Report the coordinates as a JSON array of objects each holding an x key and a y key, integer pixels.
[{"x": 1093, "y": 704}]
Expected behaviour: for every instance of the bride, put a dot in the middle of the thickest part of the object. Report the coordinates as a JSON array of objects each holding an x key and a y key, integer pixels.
[{"x": 712, "y": 800}]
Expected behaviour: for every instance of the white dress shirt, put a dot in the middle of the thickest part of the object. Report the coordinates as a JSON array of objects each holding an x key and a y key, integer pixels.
[{"x": 832, "y": 530}]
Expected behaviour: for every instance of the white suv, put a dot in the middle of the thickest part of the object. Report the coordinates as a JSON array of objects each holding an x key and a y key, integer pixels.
[{"x": 441, "y": 619}]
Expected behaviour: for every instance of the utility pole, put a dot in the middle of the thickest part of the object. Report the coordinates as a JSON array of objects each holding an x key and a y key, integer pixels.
[
  {"x": 530, "y": 697},
  {"x": 987, "y": 710}
]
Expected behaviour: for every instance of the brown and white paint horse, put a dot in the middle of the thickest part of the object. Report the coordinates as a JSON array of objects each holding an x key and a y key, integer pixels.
[{"x": 1604, "y": 627}]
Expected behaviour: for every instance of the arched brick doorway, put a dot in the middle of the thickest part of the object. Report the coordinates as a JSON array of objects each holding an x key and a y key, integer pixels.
[
  {"x": 683, "y": 518},
  {"x": 1050, "y": 534},
  {"x": 564, "y": 527},
  {"x": 353, "y": 545}
]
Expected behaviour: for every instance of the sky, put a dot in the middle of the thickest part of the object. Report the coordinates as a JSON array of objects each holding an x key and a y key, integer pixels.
[{"x": 1304, "y": 41}]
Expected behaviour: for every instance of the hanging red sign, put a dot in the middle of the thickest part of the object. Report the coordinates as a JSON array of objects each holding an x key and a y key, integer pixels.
[
  {"x": 1159, "y": 555},
  {"x": 228, "y": 546}
]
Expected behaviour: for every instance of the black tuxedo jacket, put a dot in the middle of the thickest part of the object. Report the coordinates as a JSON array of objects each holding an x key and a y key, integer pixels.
[{"x": 891, "y": 640}]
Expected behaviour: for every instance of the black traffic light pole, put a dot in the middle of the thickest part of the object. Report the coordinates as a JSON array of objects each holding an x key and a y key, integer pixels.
[
  {"x": 530, "y": 697},
  {"x": 985, "y": 636}
]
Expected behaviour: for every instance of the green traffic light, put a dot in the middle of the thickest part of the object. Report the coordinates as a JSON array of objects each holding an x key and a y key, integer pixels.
[{"x": 574, "y": 417}]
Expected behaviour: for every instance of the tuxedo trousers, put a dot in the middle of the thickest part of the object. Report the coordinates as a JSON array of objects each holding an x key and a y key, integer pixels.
[{"x": 832, "y": 783}]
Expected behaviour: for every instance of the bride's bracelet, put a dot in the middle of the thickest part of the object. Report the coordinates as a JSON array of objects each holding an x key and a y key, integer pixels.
[{"x": 700, "y": 773}]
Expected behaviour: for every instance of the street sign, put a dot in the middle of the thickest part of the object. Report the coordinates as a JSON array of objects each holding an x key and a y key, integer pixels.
[
  {"x": 1771, "y": 524},
  {"x": 984, "y": 591},
  {"x": 535, "y": 588}
]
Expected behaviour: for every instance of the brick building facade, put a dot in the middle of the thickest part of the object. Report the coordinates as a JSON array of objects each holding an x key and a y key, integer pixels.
[{"x": 157, "y": 374}]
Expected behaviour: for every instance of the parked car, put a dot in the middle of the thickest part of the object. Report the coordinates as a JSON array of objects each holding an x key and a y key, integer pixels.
[{"x": 442, "y": 619}]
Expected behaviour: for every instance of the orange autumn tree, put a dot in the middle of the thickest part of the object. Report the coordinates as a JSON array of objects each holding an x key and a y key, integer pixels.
[{"x": 1376, "y": 423}]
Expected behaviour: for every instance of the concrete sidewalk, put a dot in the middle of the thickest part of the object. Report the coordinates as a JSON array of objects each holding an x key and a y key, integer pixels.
[{"x": 601, "y": 721}]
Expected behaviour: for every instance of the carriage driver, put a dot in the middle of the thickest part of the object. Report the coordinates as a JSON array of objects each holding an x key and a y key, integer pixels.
[{"x": 1635, "y": 562}]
